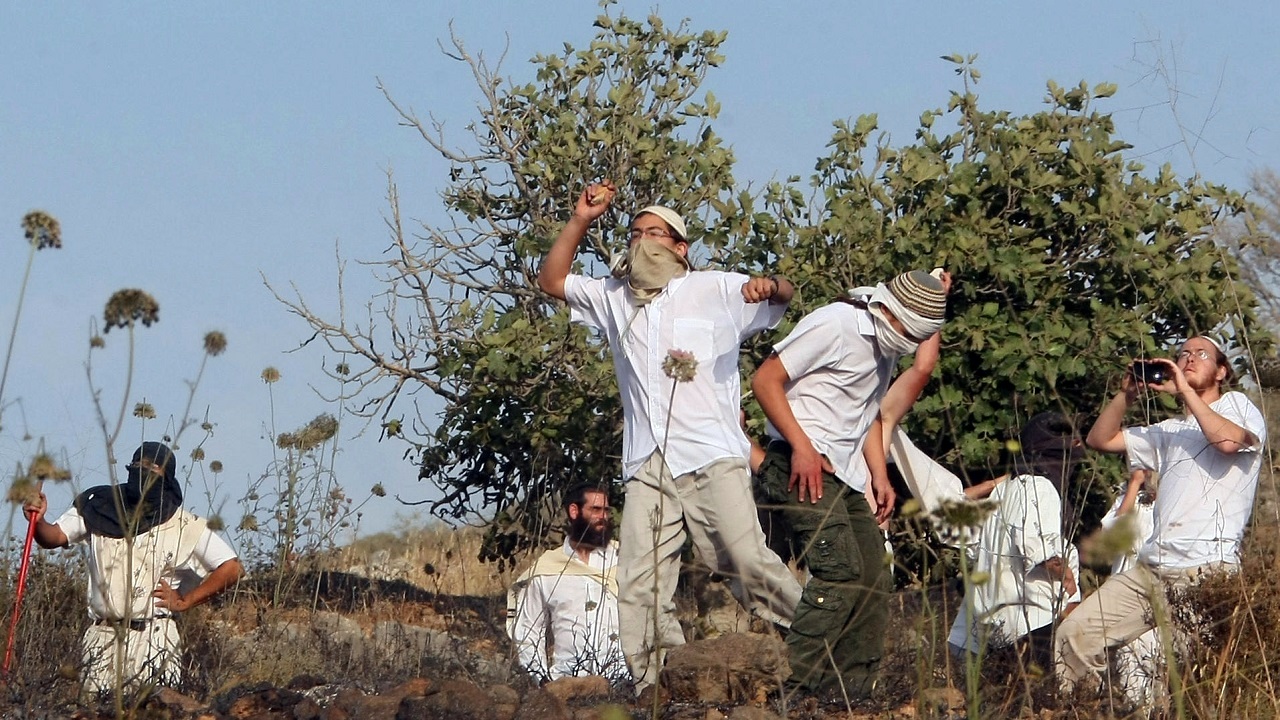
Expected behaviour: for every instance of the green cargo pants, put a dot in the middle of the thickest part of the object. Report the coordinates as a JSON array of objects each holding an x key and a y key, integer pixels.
[{"x": 837, "y": 635}]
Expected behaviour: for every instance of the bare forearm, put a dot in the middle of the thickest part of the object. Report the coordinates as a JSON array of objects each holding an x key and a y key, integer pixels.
[
  {"x": 1223, "y": 434},
  {"x": 1105, "y": 434},
  {"x": 1131, "y": 493},
  {"x": 49, "y": 536},
  {"x": 218, "y": 581},
  {"x": 559, "y": 261}
]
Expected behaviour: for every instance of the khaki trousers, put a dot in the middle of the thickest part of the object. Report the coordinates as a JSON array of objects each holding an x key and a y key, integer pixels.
[
  {"x": 712, "y": 506},
  {"x": 1126, "y": 606}
]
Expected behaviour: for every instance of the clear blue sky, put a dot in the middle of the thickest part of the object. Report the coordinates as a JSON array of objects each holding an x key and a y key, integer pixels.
[{"x": 191, "y": 148}]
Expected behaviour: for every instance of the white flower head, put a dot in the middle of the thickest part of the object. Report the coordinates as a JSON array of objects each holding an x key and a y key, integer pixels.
[{"x": 680, "y": 365}]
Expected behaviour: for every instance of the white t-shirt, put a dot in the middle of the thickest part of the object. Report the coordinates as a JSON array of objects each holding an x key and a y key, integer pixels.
[
  {"x": 838, "y": 378},
  {"x": 1017, "y": 596},
  {"x": 1206, "y": 496},
  {"x": 703, "y": 313},
  {"x": 582, "y": 615},
  {"x": 209, "y": 552}
]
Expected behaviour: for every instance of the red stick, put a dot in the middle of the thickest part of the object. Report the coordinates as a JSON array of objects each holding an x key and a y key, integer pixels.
[{"x": 22, "y": 586}]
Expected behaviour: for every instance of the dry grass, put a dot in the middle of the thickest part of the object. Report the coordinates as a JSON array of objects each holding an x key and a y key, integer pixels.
[{"x": 1228, "y": 670}]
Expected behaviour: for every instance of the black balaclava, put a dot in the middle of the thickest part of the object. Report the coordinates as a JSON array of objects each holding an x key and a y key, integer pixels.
[{"x": 145, "y": 498}]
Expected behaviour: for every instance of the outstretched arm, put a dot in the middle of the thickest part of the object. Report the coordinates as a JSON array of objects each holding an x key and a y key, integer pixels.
[
  {"x": 905, "y": 390},
  {"x": 559, "y": 261}
]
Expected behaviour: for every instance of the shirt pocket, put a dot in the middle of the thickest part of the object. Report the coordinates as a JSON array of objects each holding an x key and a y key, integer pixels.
[{"x": 697, "y": 337}]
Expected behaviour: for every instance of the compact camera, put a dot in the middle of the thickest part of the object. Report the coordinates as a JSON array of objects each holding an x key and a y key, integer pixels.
[{"x": 1151, "y": 373}]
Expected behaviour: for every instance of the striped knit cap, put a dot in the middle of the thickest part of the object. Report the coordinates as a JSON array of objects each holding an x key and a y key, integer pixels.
[
  {"x": 917, "y": 299},
  {"x": 921, "y": 293}
]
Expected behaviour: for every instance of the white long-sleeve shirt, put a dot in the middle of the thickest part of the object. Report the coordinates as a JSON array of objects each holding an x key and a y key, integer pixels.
[
  {"x": 581, "y": 611},
  {"x": 702, "y": 313}
]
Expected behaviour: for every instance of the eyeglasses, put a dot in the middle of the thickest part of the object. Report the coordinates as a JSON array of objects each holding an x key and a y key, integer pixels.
[
  {"x": 652, "y": 233},
  {"x": 1186, "y": 354}
]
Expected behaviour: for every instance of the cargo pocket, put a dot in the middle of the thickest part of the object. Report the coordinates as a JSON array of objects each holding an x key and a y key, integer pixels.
[
  {"x": 833, "y": 555},
  {"x": 821, "y": 612},
  {"x": 771, "y": 480}
]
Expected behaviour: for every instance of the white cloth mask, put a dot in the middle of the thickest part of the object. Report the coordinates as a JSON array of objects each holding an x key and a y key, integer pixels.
[{"x": 891, "y": 342}]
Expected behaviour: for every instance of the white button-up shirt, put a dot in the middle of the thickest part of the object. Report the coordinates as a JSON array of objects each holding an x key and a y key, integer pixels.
[
  {"x": 838, "y": 378},
  {"x": 582, "y": 615},
  {"x": 1205, "y": 496},
  {"x": 702, "y": 313}
]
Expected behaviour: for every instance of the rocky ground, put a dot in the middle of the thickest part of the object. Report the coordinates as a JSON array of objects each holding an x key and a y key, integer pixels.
[{"x": 413, "y": 654}]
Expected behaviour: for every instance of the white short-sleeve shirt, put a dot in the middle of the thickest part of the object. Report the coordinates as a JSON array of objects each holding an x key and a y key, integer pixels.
[
  {"x": 1205, "y": 497},
  {"x": 209, "y": 553},
  {"x": 702, "y": 312},
  {"x": 838, "y": 378}
]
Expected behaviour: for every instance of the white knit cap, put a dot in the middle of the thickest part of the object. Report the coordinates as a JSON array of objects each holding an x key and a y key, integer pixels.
[{"x": 668, "y": 216}]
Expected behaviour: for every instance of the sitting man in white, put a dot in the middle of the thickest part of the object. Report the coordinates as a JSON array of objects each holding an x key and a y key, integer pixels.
[
  {"x": 573, "y": 590},
  {"x": 141, "y": 544}
]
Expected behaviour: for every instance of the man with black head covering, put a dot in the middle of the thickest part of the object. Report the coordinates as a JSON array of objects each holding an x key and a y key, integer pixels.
[
  {"x": 141, "y": 544},
  {"x": 1025, "y": 568}
]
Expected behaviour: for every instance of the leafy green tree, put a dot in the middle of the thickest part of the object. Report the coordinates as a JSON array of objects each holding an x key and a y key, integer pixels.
[
  {"x": 1069, "y": 259},
  {"x": 531, "y": 405}
]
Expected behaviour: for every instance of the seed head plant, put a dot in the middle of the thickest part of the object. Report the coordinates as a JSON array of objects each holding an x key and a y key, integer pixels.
[{"x": 41, "y": 230}]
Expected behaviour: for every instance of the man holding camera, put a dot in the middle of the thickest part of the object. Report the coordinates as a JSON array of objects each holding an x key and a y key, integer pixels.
[{"x": 1207, "y": 463}]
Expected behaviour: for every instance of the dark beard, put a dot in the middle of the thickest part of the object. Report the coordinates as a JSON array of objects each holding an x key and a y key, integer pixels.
[{"x": 581, "y": 533}]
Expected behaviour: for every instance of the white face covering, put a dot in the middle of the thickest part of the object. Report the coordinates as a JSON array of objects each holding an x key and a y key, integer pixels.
[{"x": 891, "y": 342}]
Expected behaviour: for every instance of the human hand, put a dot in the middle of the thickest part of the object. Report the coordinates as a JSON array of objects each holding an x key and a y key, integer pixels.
[
  {"x": 1176, "y": 381},
  {"x": 595, "y": 200},
  {"x": 759, "y": 289},
  {"x": 36, "y": 508},
  {"x": 945, "y": 278},
  {"x": 167, "y": 597},
  {"x": 885, "y": 497},
  {"x": 807, "y": 466}
]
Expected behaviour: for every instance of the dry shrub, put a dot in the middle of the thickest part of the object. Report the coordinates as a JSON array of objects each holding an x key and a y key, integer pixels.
[
  {"x": 436, "y": 557},
  {"x": 46, "y": 662},
  {"x": 1230, "y": 662}
]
